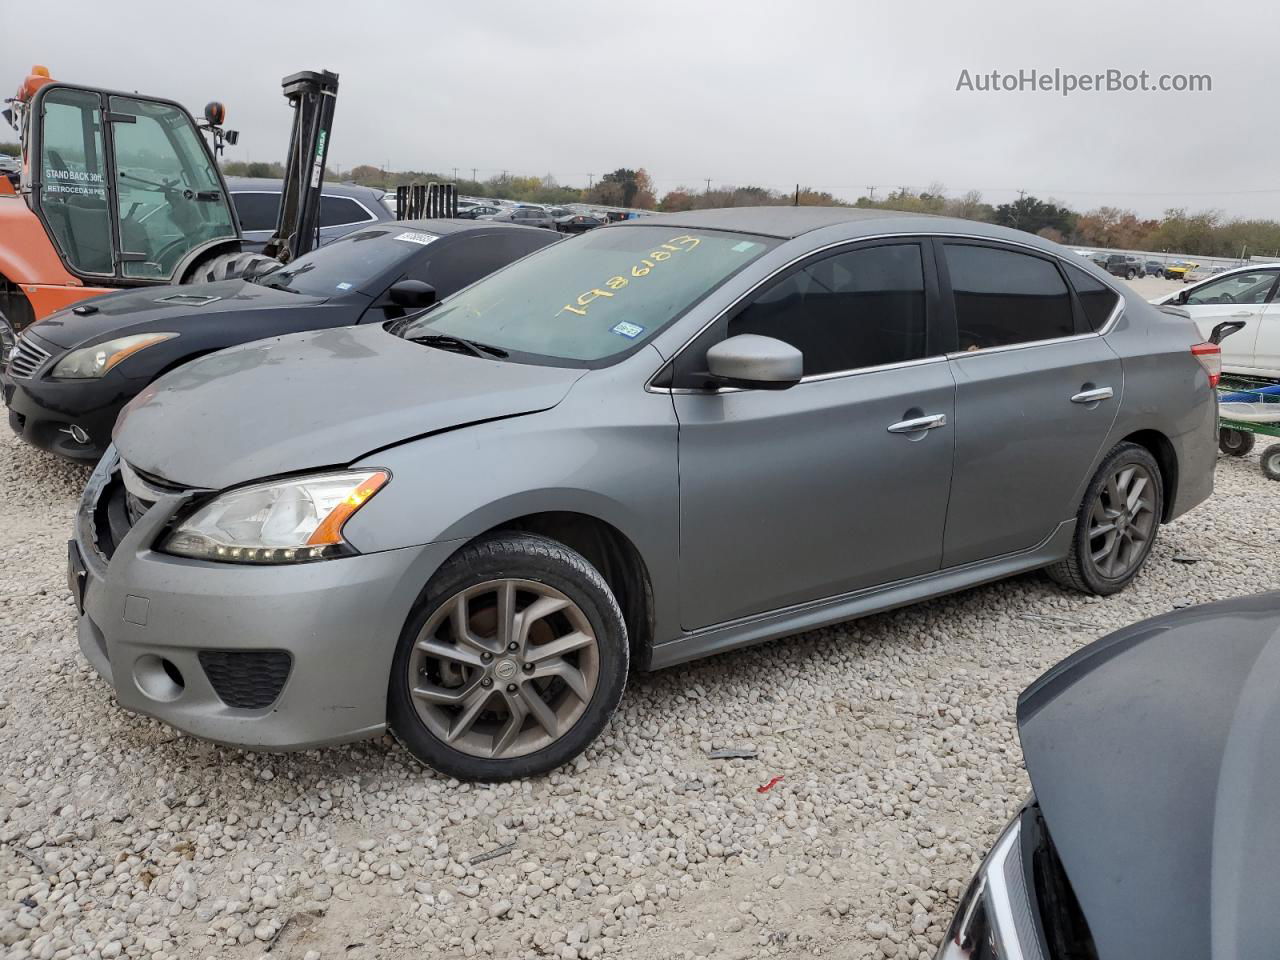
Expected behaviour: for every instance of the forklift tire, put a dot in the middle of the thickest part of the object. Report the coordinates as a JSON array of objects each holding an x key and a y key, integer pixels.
[
  {"x": 230, "y": 266},
  {"x": 1271, "y": 462},
  {"x": 1234, "y": 443}
]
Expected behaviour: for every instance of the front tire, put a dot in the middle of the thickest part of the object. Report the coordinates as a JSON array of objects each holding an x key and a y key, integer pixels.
[
  {"x": 511, "y": 664},
  {"x": 1130, "y": 274},
  {"x": 1117, "y": 524},
  {"x": 1271, "y": 462}
]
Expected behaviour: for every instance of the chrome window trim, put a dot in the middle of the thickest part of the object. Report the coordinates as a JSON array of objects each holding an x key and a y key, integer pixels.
[
  {"x": 836, "y": 374},
  {"x": 332, "y": 196}
]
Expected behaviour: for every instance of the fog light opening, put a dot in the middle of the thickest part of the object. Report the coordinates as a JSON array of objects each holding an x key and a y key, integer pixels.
[{"x": 158, "y": 678}]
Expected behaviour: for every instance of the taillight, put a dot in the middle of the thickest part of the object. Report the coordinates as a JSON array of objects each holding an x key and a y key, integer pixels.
[{"x": 1210, "y": 357}]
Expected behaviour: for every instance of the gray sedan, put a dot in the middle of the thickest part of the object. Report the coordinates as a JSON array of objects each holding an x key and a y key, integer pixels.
[{"x": 643, "y": 445}]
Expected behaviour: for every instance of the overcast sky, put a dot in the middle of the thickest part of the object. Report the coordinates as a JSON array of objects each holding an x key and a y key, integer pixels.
[{"x": 835, "y": 95}]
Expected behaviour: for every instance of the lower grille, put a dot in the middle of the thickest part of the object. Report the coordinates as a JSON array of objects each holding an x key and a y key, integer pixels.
[
  {"x": 26, "y": 358},
  {"x": 248, "y": 679}
]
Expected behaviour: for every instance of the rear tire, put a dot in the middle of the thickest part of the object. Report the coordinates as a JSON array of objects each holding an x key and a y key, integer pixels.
[
  {"x": 1235, "y": 443},
  {"x": 1130, "y": 274},
  {"x": 1271, "y": 462},
  {"x": 1107, "y": 552},
  {"x": 495, "y": 701}
]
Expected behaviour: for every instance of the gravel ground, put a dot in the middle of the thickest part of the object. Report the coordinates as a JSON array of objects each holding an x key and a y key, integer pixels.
[{"x": 894, "y": 736}]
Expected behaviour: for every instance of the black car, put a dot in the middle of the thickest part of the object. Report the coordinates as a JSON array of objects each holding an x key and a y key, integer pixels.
[
  {"x": 577, "y": 223},
  {"x": 70, "y": 373},
  {"x": 1124, "y": 265},
  {"x": 344, "y": 208},
  {"x": 1153, "y": 830}
]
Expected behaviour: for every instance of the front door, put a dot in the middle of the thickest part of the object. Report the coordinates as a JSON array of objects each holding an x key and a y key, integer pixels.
[
  {"x": 1035, "y": 400},
  {"x": 822, "y": 489}
]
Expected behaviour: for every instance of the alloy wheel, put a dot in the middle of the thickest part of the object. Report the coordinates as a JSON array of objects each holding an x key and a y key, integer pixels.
[
  {"x": 504, "y": 668},
  {"x": 1122, "y": 521}
]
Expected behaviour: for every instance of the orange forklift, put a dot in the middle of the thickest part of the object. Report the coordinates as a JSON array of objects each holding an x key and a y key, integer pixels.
[{"x": 121, "y": 190}]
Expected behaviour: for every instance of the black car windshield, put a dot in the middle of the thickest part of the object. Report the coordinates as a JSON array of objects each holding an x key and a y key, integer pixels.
[
  {"x": 597, "y": 295},
  {"x": 351, "y": 263}
]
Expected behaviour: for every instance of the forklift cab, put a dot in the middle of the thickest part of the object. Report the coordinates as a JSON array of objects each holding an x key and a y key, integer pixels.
[{"x": 125, "y": 201}]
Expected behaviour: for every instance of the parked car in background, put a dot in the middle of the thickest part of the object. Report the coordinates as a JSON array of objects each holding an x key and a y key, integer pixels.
[
  {"x": 480, "y": 211},
  {"x": 71, "y": 372},
  {"x": 578, "y": 223},
  {"x": 656, "y": 442},
  {"x": 344, "y": 207},
  {"x": 1124, "y": 265},
  {"x": 1153, "y": 268},
  {"x": 1197, "y": 274},
  {"x": 1178, "y": 269},
  {"x": 526, "y": 216},
  {"x": 10, "y": 164},
  {"x": 1153, "y": 829},
  {"x": 1250, "y": 295}
]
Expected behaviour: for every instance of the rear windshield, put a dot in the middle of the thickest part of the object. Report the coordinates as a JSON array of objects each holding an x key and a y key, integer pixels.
[
  {"x": 593, "y": 297},
  {"x": 351, "y": 263}
]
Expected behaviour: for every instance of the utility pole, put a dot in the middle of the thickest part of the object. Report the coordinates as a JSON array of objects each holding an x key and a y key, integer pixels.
[
  {"x": 1021, "y": 194},
  {"x": 455, "y": 174},
  {"x": 797, "y": 203},
  {"x": 708, "y": 184},
  {"x": 473, "y": 174},
  {"x": 591, "y": 180}
]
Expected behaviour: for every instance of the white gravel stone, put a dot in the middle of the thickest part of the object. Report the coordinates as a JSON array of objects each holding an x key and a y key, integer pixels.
[{"x": 895, "y": 737}]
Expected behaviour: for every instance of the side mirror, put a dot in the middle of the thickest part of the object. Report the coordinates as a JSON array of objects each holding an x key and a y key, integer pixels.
[
  {"x": 755, "y": 362},
  {"x": 412, "y": 293},
  {"x": 1181, "y": 298}
]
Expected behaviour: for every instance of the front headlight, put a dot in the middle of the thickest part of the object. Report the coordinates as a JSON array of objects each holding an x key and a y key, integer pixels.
[
  {"x": 89, "y": 362},
  {"x": 287, "y": 521},
  {"x": 993, "y": 921}
]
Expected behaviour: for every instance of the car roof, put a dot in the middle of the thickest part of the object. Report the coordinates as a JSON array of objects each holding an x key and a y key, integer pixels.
[
  {"x": 271, "y": 185},
  {"x": 789, "y": 222}
]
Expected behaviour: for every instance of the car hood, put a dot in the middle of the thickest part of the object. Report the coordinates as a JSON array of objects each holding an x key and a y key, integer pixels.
[
  {"x": 317, "y": 399},
  {"x": 1155, "y": 757},
  {"x": 149, "y": 308}
]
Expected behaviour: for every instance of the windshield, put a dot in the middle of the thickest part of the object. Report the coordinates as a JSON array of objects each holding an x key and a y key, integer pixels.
[
  {"x": 351, "y": 263},
  {"x": 595, "y": 296}
]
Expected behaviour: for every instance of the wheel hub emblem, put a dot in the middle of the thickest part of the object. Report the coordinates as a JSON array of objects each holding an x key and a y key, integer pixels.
[{"x": 505, "y": 669}]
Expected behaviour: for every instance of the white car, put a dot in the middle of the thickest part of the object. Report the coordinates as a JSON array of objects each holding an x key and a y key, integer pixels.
[{"x": 1247, "y": 294}]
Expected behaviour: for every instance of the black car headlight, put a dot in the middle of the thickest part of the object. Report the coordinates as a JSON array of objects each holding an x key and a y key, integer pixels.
[
  {"x": 994, "y": 920},
  {"x": 91, "y": 362},
  {"x": 8, "y": 340}
]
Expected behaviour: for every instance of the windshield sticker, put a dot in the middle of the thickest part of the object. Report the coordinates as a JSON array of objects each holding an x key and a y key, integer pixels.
[
  {"x": 410, "y": 236},
  {"x": 628, "y": 330},
  {"x": 652, "y": 262},
  {"x": 744, "y": 247},
  {"x": 344, "y": 286}
]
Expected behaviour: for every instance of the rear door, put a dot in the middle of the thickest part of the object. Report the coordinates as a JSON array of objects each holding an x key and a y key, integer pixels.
[
  {"x": 794, "y": 495},
  {"x": 1037, "y": 390},
  {"x": 1266, "y": 347}
]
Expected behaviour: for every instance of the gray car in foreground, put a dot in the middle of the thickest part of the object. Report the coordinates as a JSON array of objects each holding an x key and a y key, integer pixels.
[
  {"x": 1153, "y": 830},
  {"x": 642, "y": 445}
]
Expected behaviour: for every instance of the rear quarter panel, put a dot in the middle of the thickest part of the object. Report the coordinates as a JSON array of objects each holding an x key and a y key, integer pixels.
[{"x": 1167, "y": 390}]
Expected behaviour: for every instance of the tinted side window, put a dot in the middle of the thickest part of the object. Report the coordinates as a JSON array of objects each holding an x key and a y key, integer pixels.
[
  {"x": 335, "y": 211},
  {"x": 1097, "y": 299},
  {"x": 1003, "y": 297},
  {"x": 857, "y": 309},
  {"x": 460, "y": 262},
  {"x": 257, "y": 211}
]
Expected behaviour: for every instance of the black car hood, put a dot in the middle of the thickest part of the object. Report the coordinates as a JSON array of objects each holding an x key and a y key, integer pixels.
[
  {"x": 146, "y": 308},
  {"x": 1155, "y": 756},
  {"x": 317, "y": 399}
]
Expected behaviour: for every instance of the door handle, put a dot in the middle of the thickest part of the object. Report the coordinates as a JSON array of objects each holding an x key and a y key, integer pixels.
[
  {"x": 1242, "y": 314},
  {"x": 916, "y": 424},
  {"x": 1093, "y": 396}
]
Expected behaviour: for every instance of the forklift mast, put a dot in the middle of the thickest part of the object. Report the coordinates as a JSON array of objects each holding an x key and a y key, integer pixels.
[{"x": 312, "y": 96}]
